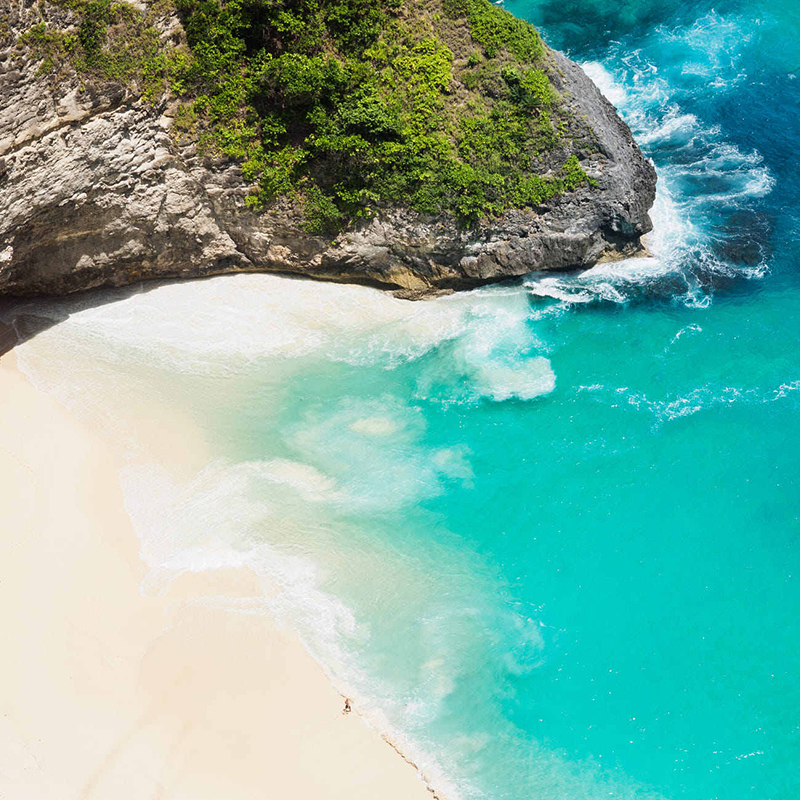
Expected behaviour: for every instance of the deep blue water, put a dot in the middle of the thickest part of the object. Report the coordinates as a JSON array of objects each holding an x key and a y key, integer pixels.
[{"x": 547, "y": 533}]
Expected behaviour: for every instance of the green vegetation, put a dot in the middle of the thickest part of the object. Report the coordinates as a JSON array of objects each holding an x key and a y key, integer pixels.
[
  {"x": 112, "y": 41},
  {"x": 346, "y": 105},
  {"x": 497, "y": 30}
]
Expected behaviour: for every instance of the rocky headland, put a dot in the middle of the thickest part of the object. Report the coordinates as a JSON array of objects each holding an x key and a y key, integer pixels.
[{"x": 107, "y": 180}]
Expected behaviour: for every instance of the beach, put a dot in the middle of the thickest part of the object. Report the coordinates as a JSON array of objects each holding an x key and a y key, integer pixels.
[
  {"x": 544, "y": 533},
  {"x": 108, "y": 693}
]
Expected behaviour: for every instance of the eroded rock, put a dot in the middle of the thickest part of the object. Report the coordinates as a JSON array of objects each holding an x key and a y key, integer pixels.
[{"x": 95, "y": 191}]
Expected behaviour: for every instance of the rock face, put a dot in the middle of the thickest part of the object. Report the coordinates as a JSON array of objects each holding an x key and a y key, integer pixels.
[{"x": 95, "y": 191}]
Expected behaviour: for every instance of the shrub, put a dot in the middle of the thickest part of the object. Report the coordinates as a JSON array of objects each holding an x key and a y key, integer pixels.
[{"x": 344, "y": 105}]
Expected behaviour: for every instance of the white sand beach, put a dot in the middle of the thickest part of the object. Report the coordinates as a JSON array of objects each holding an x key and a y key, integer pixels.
[{"x": 106, "y": 694}]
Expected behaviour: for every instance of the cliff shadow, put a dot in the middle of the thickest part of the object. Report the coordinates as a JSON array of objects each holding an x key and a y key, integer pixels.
[{"x": 22, "y": 318}]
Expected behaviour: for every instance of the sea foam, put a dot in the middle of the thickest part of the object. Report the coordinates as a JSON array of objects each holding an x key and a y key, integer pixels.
[{"x": 697, "y": 168}]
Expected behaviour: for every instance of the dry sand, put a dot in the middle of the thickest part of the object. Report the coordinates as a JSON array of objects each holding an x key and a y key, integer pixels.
[{"x": 106, "y": 694}]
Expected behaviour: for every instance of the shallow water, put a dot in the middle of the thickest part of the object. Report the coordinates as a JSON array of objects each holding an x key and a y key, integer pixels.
[{"x": 546, "y": 533}]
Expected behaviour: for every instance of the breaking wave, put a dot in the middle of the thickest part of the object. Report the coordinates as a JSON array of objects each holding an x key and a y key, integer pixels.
[{"x": 707, "y": 230}]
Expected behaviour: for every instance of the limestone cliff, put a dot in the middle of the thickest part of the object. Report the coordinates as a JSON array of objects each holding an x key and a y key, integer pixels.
[{"x": 96, "y": 190}]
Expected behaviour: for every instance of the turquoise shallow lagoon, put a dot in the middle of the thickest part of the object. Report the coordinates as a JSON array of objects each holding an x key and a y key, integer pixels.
[{"x": 546, "y": 533}]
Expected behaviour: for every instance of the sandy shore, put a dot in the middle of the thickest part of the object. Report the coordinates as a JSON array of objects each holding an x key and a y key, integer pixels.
[{"x": 107, "y": 694}]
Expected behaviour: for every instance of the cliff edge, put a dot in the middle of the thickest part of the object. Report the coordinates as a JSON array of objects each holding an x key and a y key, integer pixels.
[{"x": 114, "y": 171}]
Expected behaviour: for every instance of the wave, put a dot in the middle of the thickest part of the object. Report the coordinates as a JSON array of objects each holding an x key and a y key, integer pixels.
[
  {"x": 707, "y": 230},
  {"x": 234, "y": 325},
  {"x": 224, "y": 325},
  {"x": 696, "y": 400}
]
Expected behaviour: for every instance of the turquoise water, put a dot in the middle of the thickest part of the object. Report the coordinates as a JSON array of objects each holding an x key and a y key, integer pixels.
[{"x": 546, "y": 533}]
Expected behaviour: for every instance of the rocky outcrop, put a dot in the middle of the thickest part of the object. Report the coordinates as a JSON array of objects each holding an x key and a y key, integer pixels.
[{"x": 96, "y": 191}]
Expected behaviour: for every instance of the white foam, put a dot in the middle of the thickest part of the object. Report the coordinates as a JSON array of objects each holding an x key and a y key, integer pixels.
[
  {"x": 702, "y": 398},
  {"x": 309, "y": 482},
  {"x": 712, "y": 49},
  {"x": 374, "y": 426},
  {"x": 496, "y": 358},
  {"x": 685, "y": 331},
  {"x": 532, "y": 378},
  {"x": 699, "y": 170},
  {"x": 226, "y": 324},
  {"x": 383, "y": 433},
  {"x": 256, "y": 514},
  {"x": 613, "y": 91}
]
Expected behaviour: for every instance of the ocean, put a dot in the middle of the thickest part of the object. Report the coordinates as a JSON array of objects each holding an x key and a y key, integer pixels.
[{"x": 544, "y": 533}]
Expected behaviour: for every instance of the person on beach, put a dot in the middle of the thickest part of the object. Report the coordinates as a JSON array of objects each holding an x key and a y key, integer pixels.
[{"x": 347, "y": 708}]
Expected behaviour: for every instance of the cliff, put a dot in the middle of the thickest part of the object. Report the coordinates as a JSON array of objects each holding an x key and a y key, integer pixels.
[{"x": 112, "y": 172}]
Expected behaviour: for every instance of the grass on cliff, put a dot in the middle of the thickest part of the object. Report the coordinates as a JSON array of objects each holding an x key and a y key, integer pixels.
[
  {"x": 109, "y": 41},
  {"x": 346, "y": 105}
]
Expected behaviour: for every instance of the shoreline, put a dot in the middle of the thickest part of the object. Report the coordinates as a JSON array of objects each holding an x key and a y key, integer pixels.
[{"x": 109, "y": 693}]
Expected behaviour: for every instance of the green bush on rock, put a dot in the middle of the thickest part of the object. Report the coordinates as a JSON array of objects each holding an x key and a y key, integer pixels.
[{"x": 346, "y": 105}]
